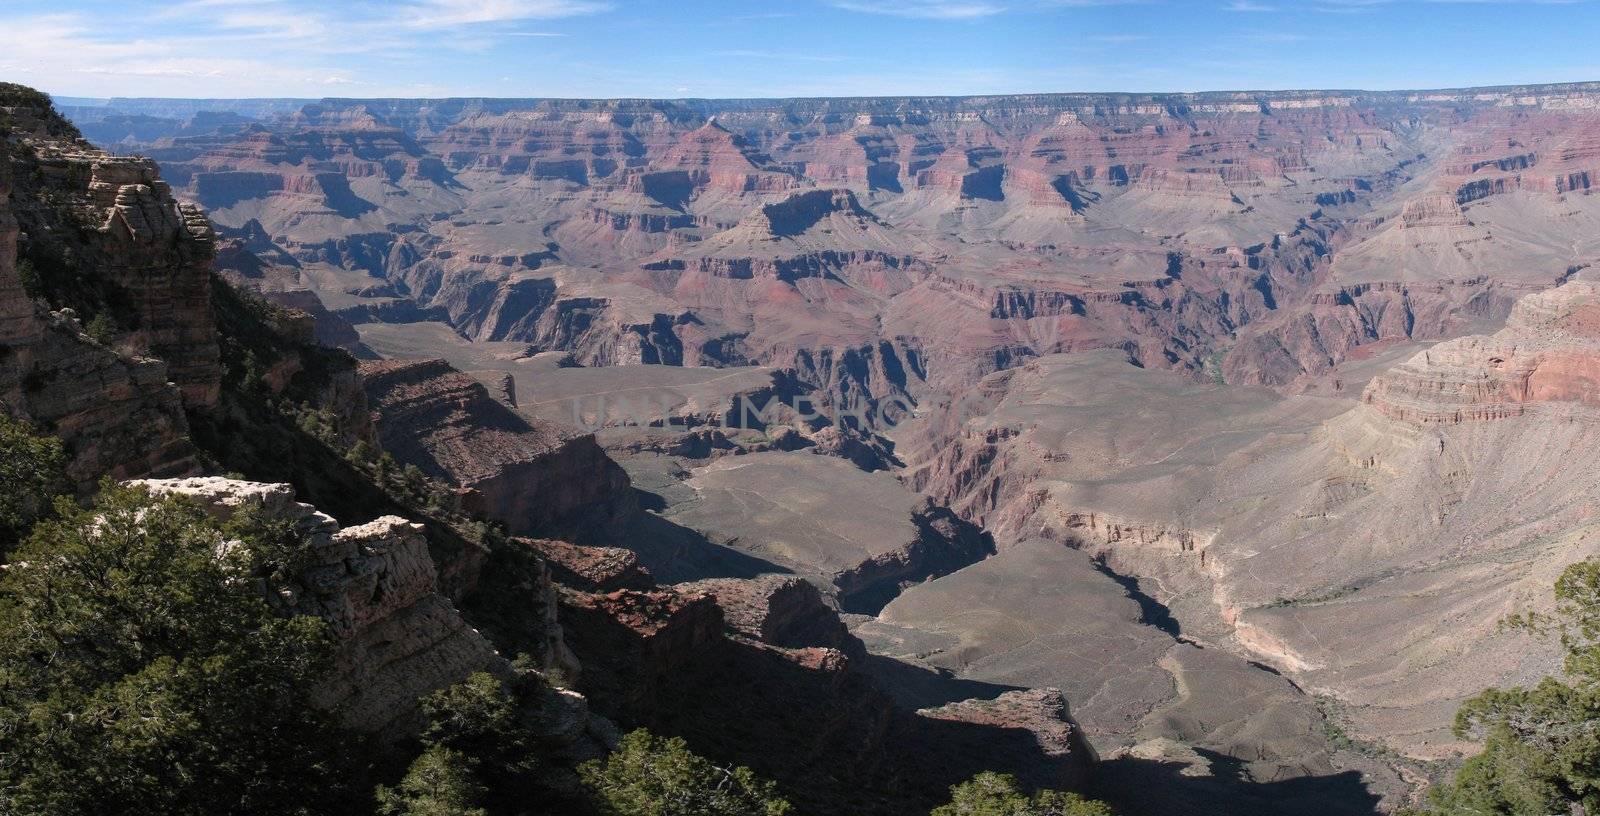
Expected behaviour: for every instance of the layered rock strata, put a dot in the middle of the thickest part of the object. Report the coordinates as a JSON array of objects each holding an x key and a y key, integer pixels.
[
  {"x": 529, "y": 475},
  {"x": 117, "y": 409}
]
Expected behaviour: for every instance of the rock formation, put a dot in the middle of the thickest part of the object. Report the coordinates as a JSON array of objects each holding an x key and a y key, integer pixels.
[
  {"x": 1239, "y": 418},
  {"x": 68, "y": 208},
  {"x": 376, "y": 586},
  {"x": 529, "y": 475},
  {"x": 1548, "y": 356},
  {"x": 895, "y": 249}
]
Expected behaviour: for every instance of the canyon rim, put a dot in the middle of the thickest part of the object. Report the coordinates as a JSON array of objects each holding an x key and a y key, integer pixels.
[{"x": 1147, "y": 453}]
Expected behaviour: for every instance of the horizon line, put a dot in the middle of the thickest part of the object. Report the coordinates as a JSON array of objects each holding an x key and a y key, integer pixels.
[{"x": 1593, "y": 84}]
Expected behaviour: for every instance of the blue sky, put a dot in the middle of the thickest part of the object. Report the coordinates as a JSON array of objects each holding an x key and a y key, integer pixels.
[{"x": 722, "y": 48}]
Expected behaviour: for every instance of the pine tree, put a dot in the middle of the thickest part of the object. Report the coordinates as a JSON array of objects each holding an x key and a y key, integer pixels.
[
  {"x": 142, "y": 673},
  {"x": 649, "y": 776}
]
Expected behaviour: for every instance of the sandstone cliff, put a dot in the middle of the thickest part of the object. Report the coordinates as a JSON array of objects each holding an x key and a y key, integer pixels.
[
  {"x": 83, "y": 231},
  {"x": 527, "y": 474}
]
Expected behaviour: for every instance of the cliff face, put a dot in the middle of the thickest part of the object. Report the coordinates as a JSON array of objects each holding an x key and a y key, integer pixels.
[
  {"x": 762, "y": 672},
  {"x": 376, "y": 586},
  {"x": 527, "y": 474},
  {"x": 1548, "y": 356},
  {"x": 98, "y": 232}
]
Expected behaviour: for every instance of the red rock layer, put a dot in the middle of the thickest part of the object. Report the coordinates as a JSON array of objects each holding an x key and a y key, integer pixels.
[
  {"x": 529, "y": 475},
  {"x": 1548, "y": 355}
]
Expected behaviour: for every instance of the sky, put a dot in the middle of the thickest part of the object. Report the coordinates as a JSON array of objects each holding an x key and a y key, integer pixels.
[{"x": 766, "y": 48}]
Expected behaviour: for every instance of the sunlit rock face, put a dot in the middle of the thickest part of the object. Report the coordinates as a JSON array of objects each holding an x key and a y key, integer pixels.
[
  {"x": 375, "y": 584},
  {"x": 530, "y": 475},
  {"x": 75, "y": 218}
]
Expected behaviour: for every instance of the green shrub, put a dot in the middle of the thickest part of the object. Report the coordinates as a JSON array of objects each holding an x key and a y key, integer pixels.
[
  {"x": 478, "y": 718},
  {"x": 101, "y": 329},
  {"x": 478, "y": 757},
  {"x": 142, "y": 673},
  {"x": 439, "y": 783},
  {"x": 33, "y": 471},
  {"x": 1541, "y": 750},
  {"x": 648, "y": 776},
  {"x": 32, "y": 285},
  {"x": 993, "y": 794}
]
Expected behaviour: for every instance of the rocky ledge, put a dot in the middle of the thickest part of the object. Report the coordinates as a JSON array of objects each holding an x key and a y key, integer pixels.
[
  {"x": 1547, "y": 357},
  {"x": 66, "y": 208},
  {"x": 376, "y": 586}
]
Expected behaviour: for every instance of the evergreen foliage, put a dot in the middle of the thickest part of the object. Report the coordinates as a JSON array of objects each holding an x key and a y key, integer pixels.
[
  {"x": 993, "y": 794},
  {"x": 33, "y": 471},
  {"x": 1542, "y": 743},
  {"x": 142, "y": 673},
  {"x": 650, "y": 776}
]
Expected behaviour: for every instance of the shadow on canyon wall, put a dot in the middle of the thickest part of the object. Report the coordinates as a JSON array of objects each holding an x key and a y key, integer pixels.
[{"x": 1150, "y": 787}]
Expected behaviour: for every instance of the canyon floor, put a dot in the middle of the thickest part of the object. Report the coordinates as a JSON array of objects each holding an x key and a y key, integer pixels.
[{"x": 1242, "y": 419}]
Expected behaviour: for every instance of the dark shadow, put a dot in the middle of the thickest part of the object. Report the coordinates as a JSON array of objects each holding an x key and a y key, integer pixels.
[
  {"x": 1069, "y": 192},
  {"x": 985, "y": 183},
  {"x": 949, "y": 543},
  {"x": 1151, "y": 612},
  {"x": 340, "y": 198},
  {"x": 671, "y": 188},
  {"x": 913, "y": 686},
  {"x": 884, "y": 176},
  {"x": 671, "y": 552},
  {"x": 1155, "y": 788},
  {"x": 802, "y": 211},
  {"x": 222, "y": 189},
  {"x": 825, "y": 732}
]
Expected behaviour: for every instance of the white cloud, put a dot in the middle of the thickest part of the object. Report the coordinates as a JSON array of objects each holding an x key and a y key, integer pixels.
[
  {"x": 965, "y": 9},
  {"x": 451, "y": 13},
  {"x": 789, "y": 56},
  {"x": 930, "y": 9},
  {"x": 262, "y": 47}
]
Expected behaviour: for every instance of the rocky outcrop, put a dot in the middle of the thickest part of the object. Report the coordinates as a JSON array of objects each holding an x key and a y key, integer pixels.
[
  {"x": 636, "y": 645},
  {"x": 376, "y": 586},
  {"x": 779, "y": 610},
  {"x": 117, "y": 412},
  {"x": 142, "y": 244},
  {"x": 530, "y": 476},
  {"x": 1432, "y": 211},
  {"x": 1041, "y": 713},
  {"x": 1548, "y": 355},
  {"x": 591, "y": 569},
  {"x": 803, "y": 211},
  {"x": 944, "y": 542}
]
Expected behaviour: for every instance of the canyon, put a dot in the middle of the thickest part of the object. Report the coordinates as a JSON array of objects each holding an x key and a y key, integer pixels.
[{"x": 1182, "y": 449}]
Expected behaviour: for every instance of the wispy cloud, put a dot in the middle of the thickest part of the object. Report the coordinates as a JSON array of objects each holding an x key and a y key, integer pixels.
[
  {"x": 266, "y": 47},
  {"x": 929, "y": 9},
  {"x": 452, "y": 13},
  {"x": 966, "y": 9},
  {"x": 789, "y": 56},
  {"x": 407, "y": 48}
]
